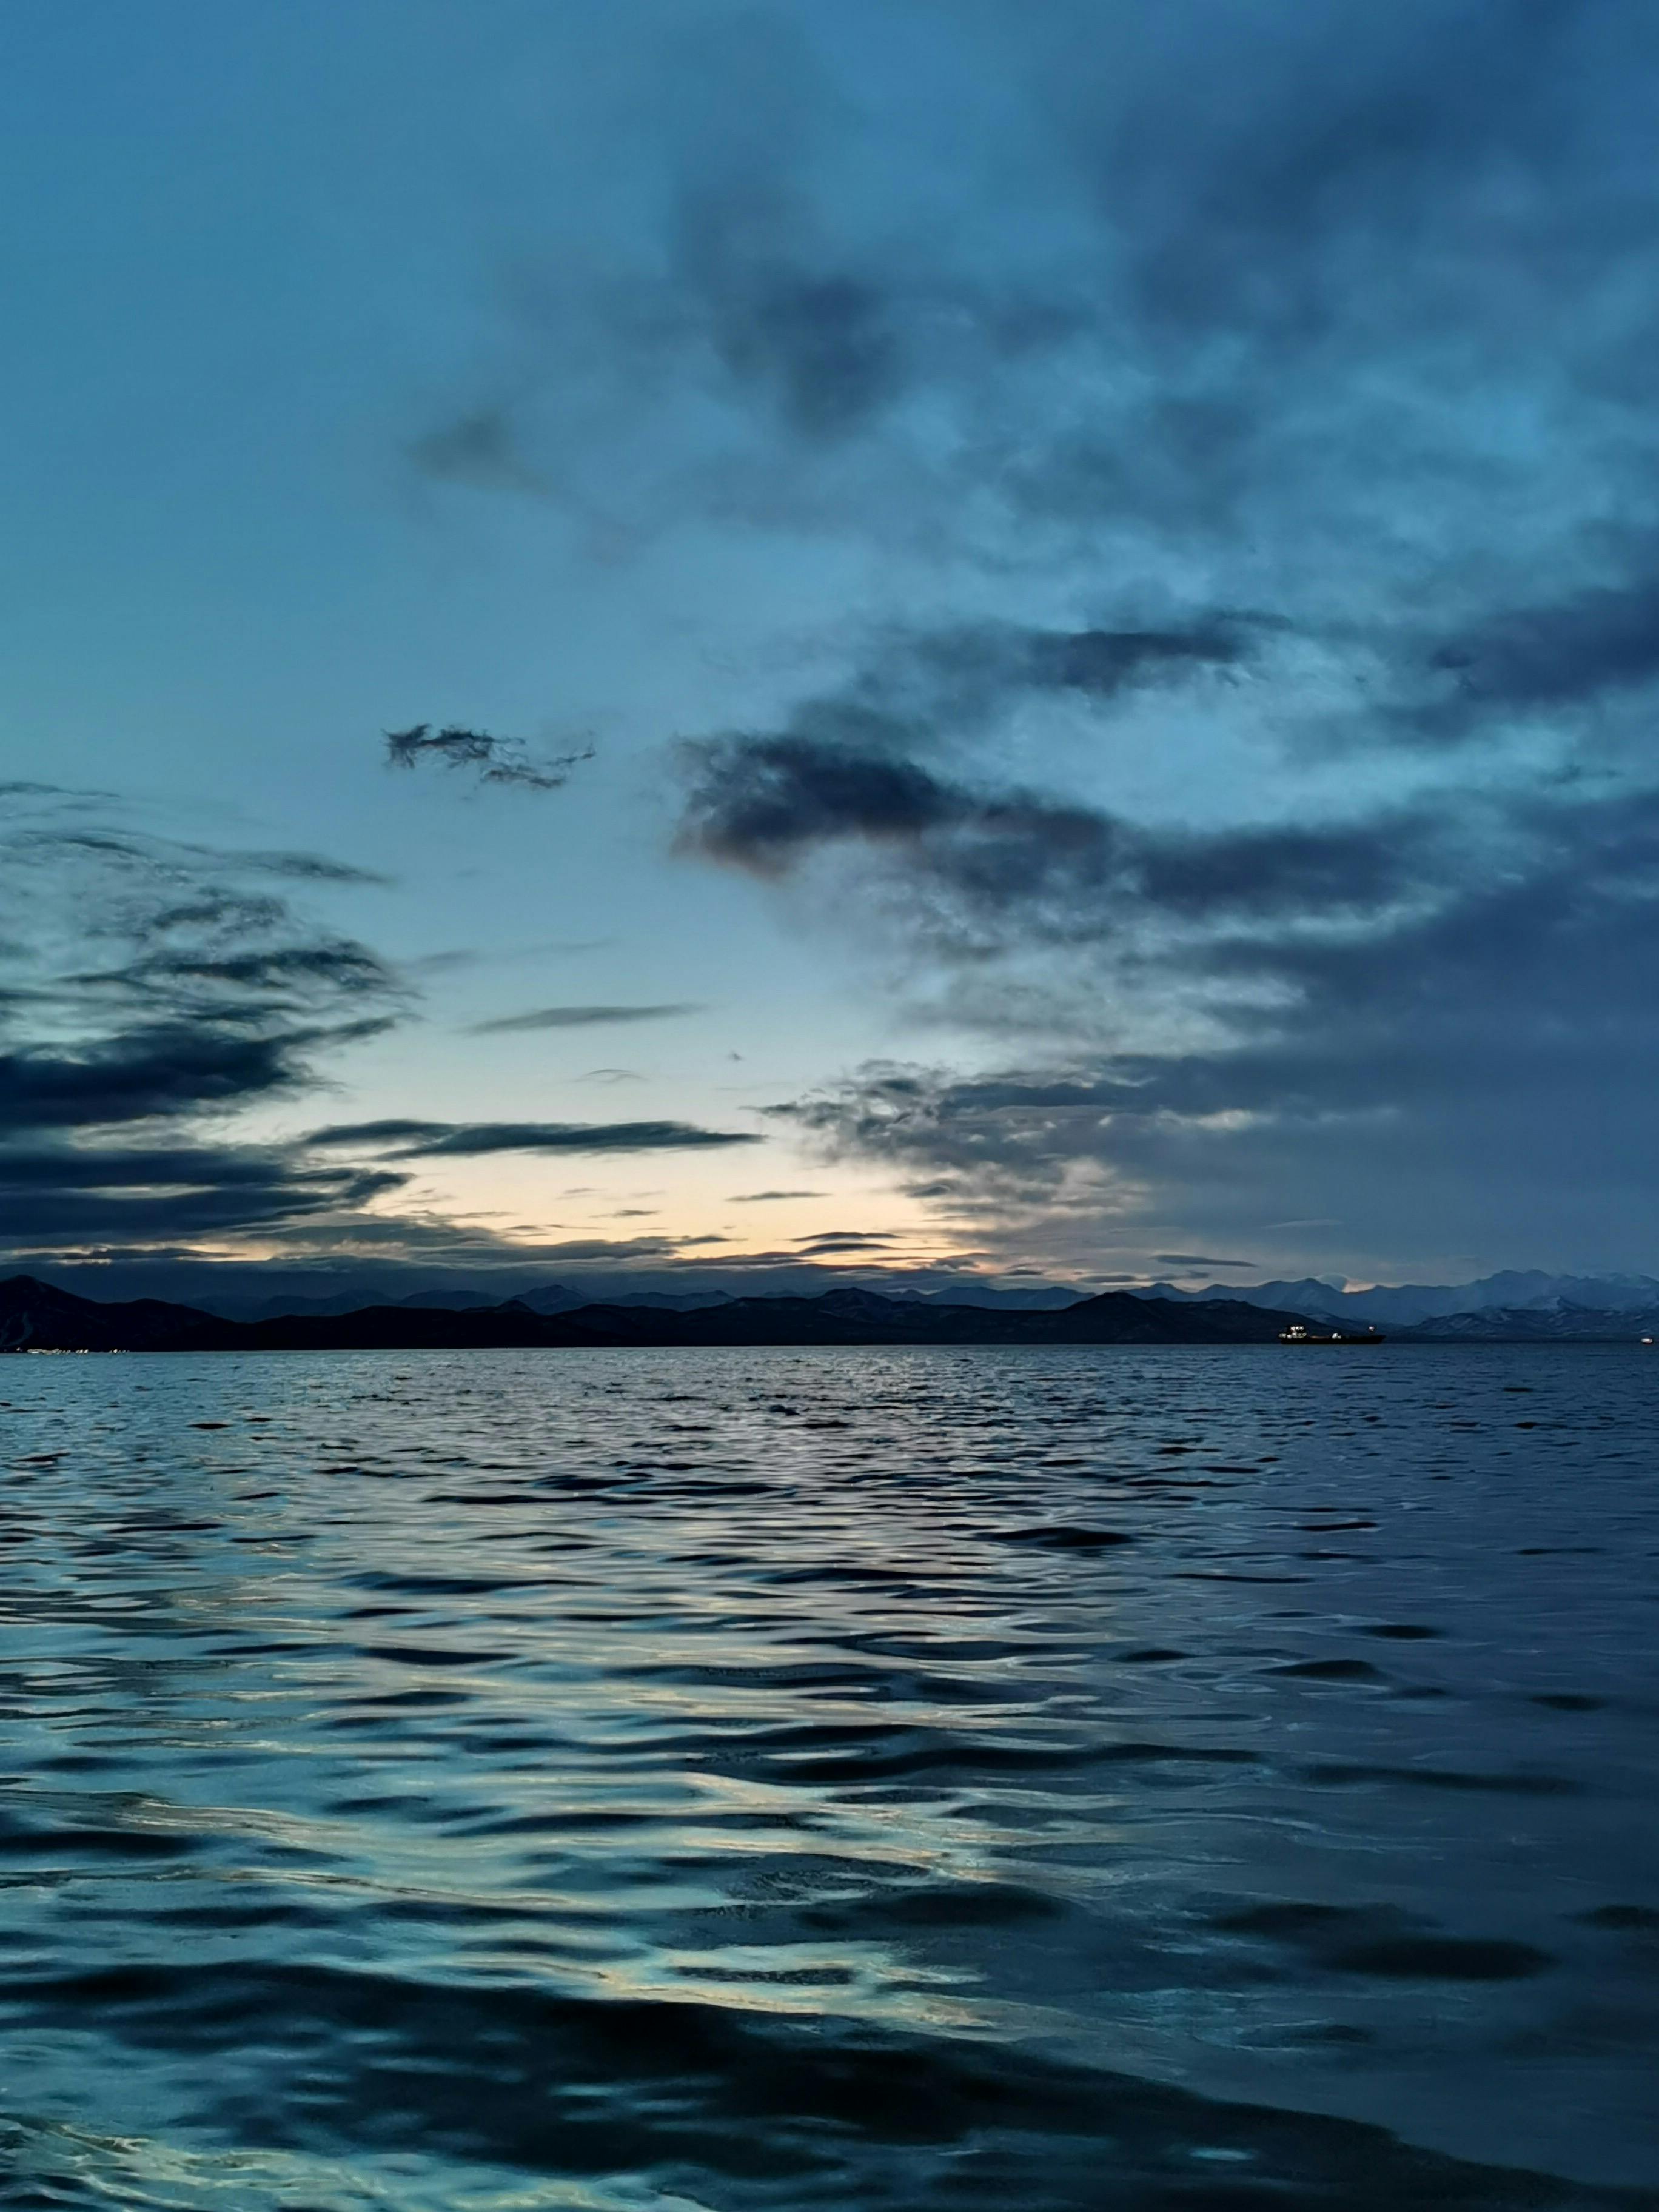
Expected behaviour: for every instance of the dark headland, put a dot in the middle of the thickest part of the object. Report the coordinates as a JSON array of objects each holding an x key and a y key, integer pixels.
[{"x": 36, "y": 1317}]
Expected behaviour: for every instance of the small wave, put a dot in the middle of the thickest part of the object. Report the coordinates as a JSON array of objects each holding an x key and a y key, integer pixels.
[{"x": 524, "y": 2080}]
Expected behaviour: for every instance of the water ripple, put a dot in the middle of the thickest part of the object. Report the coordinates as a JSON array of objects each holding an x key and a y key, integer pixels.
[{"x": 1186, "y": 1779}]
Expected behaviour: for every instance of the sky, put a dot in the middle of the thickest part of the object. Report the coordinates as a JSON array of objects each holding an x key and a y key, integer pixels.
[{"x": 1021, "y": 641}]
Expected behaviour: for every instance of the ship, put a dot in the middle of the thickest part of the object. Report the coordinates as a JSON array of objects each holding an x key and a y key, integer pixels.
[{"x": 1299, "y": 1333}]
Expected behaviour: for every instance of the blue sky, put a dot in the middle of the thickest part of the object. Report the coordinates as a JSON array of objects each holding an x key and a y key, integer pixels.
[{"x": 1100, "y": 564}]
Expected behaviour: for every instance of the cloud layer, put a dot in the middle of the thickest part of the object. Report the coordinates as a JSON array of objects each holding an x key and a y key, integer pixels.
[
  {"x": 150, "y": 990},
  {"x": 1228, "y": 426},
  {"x": 1486, "y": 1059},
  {"x": 1314, "y": 869}
]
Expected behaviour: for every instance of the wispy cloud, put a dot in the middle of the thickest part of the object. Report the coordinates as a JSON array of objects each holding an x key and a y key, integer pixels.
[
  {"x": 492, "y": 760},
  {"x": 578, "y": 1017},
  {"x": 481, "y": 448},
  {"x": 149, "y": 990},
  {"x": 843, "y": 1240},
  {"x": 410, "y": 1140}
]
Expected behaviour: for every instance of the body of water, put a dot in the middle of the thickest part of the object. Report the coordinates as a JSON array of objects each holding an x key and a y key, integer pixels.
[{"x": 497, "y": 1782}]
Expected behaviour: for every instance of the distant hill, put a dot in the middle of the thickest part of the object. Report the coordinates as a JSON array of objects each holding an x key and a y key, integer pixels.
[
  {"x": 854, "y": 1316},
  {"x": 34, "y": 1316},
  {"x": 1556, "y": 1324},
  {"x": 1406, "y": 1304},
  {"x": 559, "y": 1298},
  {"x": 342, "y": 1302},
  {"x": 546, "y": 1299},
  {"x": 37, "y": 1316}
]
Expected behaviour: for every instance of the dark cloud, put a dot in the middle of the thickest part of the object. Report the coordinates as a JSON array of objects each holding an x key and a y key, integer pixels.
[
  {"x": 918, "y": 692},
  {"x": 1476, "y": 1073},
  {"x": 1197, "y": 1260},
  {"x": 199, "y": 872},
  {"x": 495, "y": 760},
  {"x": 857, "y": 767},
  {"x": 978, "y": 860},
  {"x": 1284, "y": 372},
  {"x": 153, "y": 989},
  {"x": 156, "y": 980},
  {"x": 407, "y": 1139},
  {"x": 480, "y": 447},
  {"x": 578, "y": 1017},
  {"x": 285, "y": 978},
  {"x": 1540, "y": 658},
  {"x": 1177, "y": 267},
  {"x": 817, "y": 344},
  {"x": 760, "y": 802},
  {"x": 161, "y": 1069},
  {"x": 1337, "y": 310},
  {"x": 89, "y": 1196},
  {"x": 1106, "y": 663},
  {"x": 1270, "y": 151},
  {"x": 767, "y": 1197},
  {"x": 111, "y": 1167}
]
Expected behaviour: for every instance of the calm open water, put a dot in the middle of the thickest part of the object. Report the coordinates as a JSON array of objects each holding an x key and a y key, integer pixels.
[{"x": 1205, "y": 1779}]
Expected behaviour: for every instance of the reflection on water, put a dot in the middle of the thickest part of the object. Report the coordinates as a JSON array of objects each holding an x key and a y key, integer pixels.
[{"x": 829, "y": 1779}]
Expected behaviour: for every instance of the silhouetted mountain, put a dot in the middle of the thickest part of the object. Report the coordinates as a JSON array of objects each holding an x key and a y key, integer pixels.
[
  {"x": 1556, "y": 1324},
  {"x": 1404, "y": 1304},
  {"x": 338, "y": 1302},
  {"x": 1309, "y": 1295},
  {"x": 559, "y": 1298},
  {"x": 551, "y": 1298},
  {"x": 33, "y": 1315},
  {"x": 344, "y": 1302},
  {"x": 846, "y": 1317},
  {"x": 260, "y": 1291},
  {"x": 375, "y": 1329}
]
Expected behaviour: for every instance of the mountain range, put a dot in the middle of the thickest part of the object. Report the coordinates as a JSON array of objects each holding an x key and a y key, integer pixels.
[
  {"x": 270, "y": 1292},
  {"x": 562, "y": 1297},
  {"x": 36, "y": 1317},
  {"x": 1408, "y": 1304}
]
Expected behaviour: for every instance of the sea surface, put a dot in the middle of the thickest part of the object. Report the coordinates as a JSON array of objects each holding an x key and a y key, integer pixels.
[{"x": 1208, "y": 1779}]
